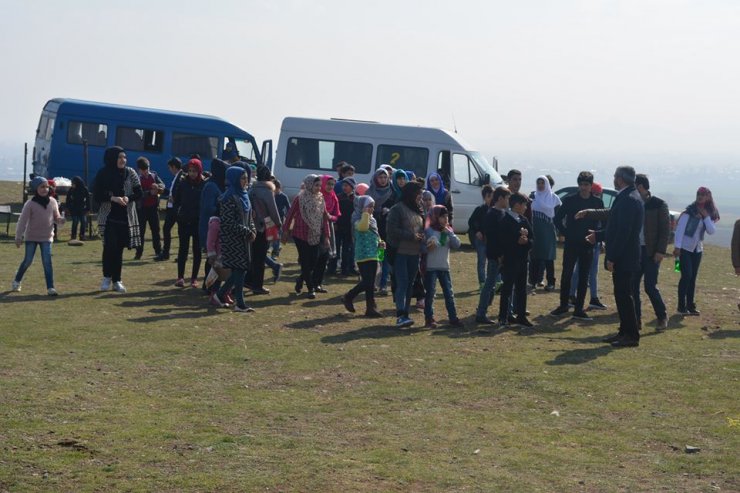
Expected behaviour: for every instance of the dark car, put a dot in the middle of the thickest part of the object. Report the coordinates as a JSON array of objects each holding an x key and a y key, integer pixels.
[{"x": 608, "y": 197}]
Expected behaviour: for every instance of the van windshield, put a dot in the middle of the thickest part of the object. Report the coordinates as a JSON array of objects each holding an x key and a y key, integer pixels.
[{"x": 485, "y": 167}]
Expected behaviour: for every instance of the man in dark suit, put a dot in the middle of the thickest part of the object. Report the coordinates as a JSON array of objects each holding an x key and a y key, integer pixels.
[
  {"x": 622, "y": 236},
  {"x": 515, "y": 237}
]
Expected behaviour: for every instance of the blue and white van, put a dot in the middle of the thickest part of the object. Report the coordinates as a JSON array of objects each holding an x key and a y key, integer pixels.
[
  {"x": 316, "y": 146},
  {"x": 66, "y": 125}
]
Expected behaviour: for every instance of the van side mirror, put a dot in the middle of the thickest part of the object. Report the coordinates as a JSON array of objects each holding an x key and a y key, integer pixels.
[
  {"x": 486, "y": 179},
  {"x": 494, "y": 162}
]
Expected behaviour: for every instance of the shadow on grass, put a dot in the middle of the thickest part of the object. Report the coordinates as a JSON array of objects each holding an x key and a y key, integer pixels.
[
  {"x": 315, "y": 322},
  {"x": 724, "y": 334},
  {"x": 372, "y": 332},
  {"x": 10, "y": 296},
  {"x": 580, "y": 356}
]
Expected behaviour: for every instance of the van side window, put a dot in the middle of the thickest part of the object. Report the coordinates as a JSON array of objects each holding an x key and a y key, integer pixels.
[
  {"x": 187, "y": 144},
  {"x": 464, "y": 171},
  {"x": 139, "y": 139},
  {"x": 96, "y": 134},
  {"x": 325, "y": 154},
  {"x": 407, "y": 158}
]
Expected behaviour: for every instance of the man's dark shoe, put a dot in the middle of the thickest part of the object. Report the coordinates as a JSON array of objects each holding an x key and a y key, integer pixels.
[
  {"x": 373, "y": 313},
  {"x": 348, "y": 304},
  {"x": 693, "y": 312},
  {"x": 261, "y": 291},
  {"x": 321, "y": 289},
  {"x": 596, "y": 304},
  {"x": 612, "y": 338},
  {"x": 625, "y": 343},
  {"x": 485, "y": 321},
  {"x": 560, "y": 311},
  {"x": 523, "y": 322},
  {"x": 138, "y": 256},
  {"x": 581, "y": 315}
]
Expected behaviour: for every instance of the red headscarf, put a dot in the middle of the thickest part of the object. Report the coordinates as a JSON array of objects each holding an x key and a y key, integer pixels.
[{"x": 195, "y": 163}]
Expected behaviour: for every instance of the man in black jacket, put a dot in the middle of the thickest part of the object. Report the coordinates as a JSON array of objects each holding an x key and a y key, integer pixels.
[
  {"x": 515, "y": 237},
  {"x": 622, "y": 236},
  {"x": 576, "y": 249},
  {"x": 491, "y": 230}
]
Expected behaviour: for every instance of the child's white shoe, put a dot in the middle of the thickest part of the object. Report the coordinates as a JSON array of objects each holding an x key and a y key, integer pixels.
[
  {"x": 105, "y": 285},
  {"x": 52, "y": 292},
  {"x": 119, "y": 287},
  {"x": 16, "y": 286}
]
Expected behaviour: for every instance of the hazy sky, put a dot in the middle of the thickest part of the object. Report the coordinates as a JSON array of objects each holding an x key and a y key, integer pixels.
[{"x": 528, "y": 76}]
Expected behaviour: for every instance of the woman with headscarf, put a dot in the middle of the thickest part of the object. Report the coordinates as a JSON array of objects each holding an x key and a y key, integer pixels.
[
  {"x": 543, "y": 250},
  {"x": 405, "y": 230},
  {"x": 262, "y": 196},
  {"x": 382, "y": 193},
  {"x": 187, "y": 205},
  {"x": 237, "y": 234},
  {"x": 367, "y": 241},
  {"x": 331, "y": 203},
  {"x": 698, "y": 219},
  {"x": 441, "y": 195},
  {"x": 308, "y": 223},
  {"x": 116, "y": 189},
  {"x": 213, "y": 188}
]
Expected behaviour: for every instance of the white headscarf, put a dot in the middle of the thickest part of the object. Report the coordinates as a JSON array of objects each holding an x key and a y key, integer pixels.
[{"x": 545, "y": 201}]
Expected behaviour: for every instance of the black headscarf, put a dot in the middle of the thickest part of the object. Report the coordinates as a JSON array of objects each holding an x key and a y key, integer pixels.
[{"x": 409, "y": 194}]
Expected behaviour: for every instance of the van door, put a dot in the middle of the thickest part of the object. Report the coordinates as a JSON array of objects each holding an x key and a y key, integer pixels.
[
  {"x": 465, "y": 188},
  {"x": 267, "y": 154}
]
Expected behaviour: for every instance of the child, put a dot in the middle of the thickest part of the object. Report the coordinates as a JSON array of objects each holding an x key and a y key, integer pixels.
[
  {"x": 36, "y": 228},
  {"x": 78, "y": 205},
  {"x": 344, "y": 230},
  {"x": 218, "y": 271},
  {"x": 367, "y": 241},
  {"x": 439, "y": 238},
  {"x": 283, "y": 205},
  {"x": 516, "y": 239},
  {"x": 475, "y": 232}
]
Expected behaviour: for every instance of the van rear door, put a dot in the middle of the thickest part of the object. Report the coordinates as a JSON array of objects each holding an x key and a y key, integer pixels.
[
  {"x": 267, "y": 154},
  {"x": 465, "y": 187}
]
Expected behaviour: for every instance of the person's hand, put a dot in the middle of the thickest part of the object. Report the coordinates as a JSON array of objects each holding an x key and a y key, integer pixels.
[
  {"x": 431, "y": 244},
  {"x": 610, "y": 266},
  {"x": 658, "y": 257},
  {"x": 385, "y": 210},
  {"x": 284, "y": 237},
  {"x": 703, "y": 212},
  {"x": 581, "y": 214},
  {"x": 522, "y": 240},
  {"x": 591, "y": 236},
  {"x": 124, "y": 200},
  {"x": 523, "y": 232},
  {"x": 251, "y": 235},
  {"x": 326, "y": 243},
  {"x": 419, "y": 236},
  {"x": 479, "y": 236},
  {"x": 381, "y": 244},
  {"x": 18, "y": 243},
  {"x": 676, "y": 252}
]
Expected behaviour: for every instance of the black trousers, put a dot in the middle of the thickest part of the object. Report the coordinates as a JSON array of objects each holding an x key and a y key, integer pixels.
[
  {"x": 187, "y": 230},
  {"x": 584, "y": 256},
  {"x": 514, "y": 273},
  {"x": 368, "y": 271},
  {"x": 115, "y": 239},
  {"x": 256, "y": 274},
  {"x": 308, "y": 256},
  {"x": 150, "y": 216},
  {"x": 170, "y": 219},
  {"x": 625, "y": 300},
  {"x": 320, "y": 271}
]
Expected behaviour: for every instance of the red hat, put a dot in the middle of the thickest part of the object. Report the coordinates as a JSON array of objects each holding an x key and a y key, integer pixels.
[{"x": 596, "y": 188}]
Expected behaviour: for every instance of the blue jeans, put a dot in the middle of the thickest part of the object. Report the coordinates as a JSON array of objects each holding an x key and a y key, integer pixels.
[
  {"x": 384, "y": 267},
  {"x": 270, "y": 262},
  {"x": 650, "y": 269},
  {"x": 489, "y": 289},
  {"x": 593, "y": 276},
  {"x": 45, "y": 260},
  {"x": 82, "y": 222},
  {"x": 690, "y": 262},
  {"x": 236, "y": 280},
  {"x": 480, "y": 250},
  {"x": 430, "y": 284},
  {"x": 405, "y": 268}
]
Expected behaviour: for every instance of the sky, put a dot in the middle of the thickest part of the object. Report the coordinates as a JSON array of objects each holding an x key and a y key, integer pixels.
[{"x": 532, "y": 77}]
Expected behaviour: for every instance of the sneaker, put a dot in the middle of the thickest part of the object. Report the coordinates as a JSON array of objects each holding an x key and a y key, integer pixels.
[
  {"x": 661, "y": 325},
  {"x": 298, "y": 287},
  {"x": 612, "y": 338},
  {"x": 215, "y": 301},
  {"x": 693, "y": 312},
  {"x": 161, "y": 257},
  {"x": 52, "y": 292},
  {"x": 596, "y": 304},
  {"x": 550, "y": 288},
  {"x": 484, "y": 321},
  {"x": 262, "y": 290},
  {"x": 105, "y": 285},
  {"x": 403, "y": 321},
  {"x": 277, "y": 271},
  {"x": 560, "y": 311},
  {"x": 682, "y": 311},
  {"x": 429, "y": 323},
  {"x": 348, "y": 304},
  {"x": 321, "y": 289},
  {"x": 581, "y": 315},
  {"x": 194, "y": 283},
  {"x": 244, "y": 309},
  {"x": 119, "y": 287},
  {"x": 311, "y": 295},
  {"x": 571, "y": 301},
  {"x": 180, "y": 283},
  {"x": 539, "y": 285},
  {"x": 383, "y": 292},
  {"x": 373, "y": 313},
  {"x": 137, "y": 256},
  {"x": 524, "y": 322},
  {"x": 456, "y": 322},
  {"x": 15, "y": 286}
]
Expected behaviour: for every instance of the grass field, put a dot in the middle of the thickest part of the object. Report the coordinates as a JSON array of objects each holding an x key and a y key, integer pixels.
[{"x": 153, "y": 390}]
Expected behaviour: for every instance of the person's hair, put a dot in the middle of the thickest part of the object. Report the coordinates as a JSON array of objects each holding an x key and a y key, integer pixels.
[
  {"x": 486, "y": 190},
  {"x": 346, "y": 168},
  {"x": 512, "y": 173},
  {"x": 626, "y": 173},
  {"x": 551, "y": 180},
  {"x": 518, "y": 198},
  {"x": 642, "y": 179},
  {"x": 142, "y": 163},
  {"x": 500, "y": 192},
  {"x": 585, "y": 176},
  {"x": 277, "y": 183},
  {"x": 175, "y": 163}
]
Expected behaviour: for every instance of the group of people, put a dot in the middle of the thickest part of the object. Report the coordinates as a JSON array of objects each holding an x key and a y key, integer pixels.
[{"x": 396, "y": 230}]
